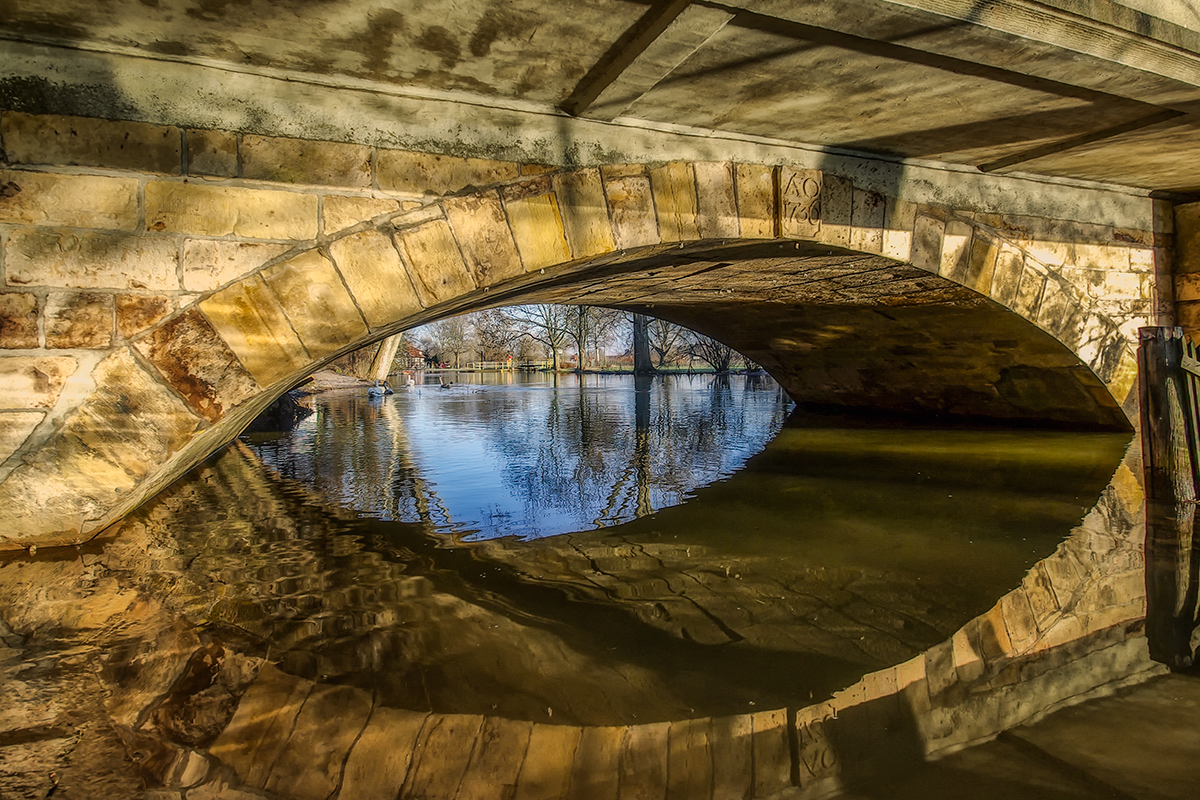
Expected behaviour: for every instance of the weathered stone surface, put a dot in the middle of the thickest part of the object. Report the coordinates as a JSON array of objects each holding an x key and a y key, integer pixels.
[
  {"x": 1029, "y": 292},
  {"x": 339, "y": 213},
  {"x": 221, "y": 789},
  {"x": 674, "y": 187},
  {"x": 689, "y": 759},
  {"x": 631, "y": 206},
  {"x": 772, "y": 757},
  {"x": 230, "y": 210},
  {"x": 79, "y": 201},
  {"x": 898, "y": 229},
  {"x": 250, "y": 320},
  {"x": 981, "y": 264},
  {"x": 260, "y": 727},
  {"x": 379, "y": 762},
  {"x": 928, "y": 232},
  {"x": 547, "y": 768},
  {"x": 867, "y": 214},
  {"x": 497, "y": 759},
  {"x": 956, "y": 250},
  {"x": 816, "y": 754},
  {"x": 536, "y": 225},
  {"x": 213, "y": 153},
  {"x": 757, "y": 210},
  {"x": 128, "y": 425},
  {"x": 717, "y": 200},
  {"x": 139, "y": 312},
  {"x": 800, "y": 203},
  {"x": 33, "y": 381},
  {"x": 79, "y": 319},
  {"x": 406, "y": 172},
  {"x": 90, "y": 142},
  {"x": 72, "y": 260},
  {"x": 584, "y": 212},
  {"x": 329, "y": 722},
  {"x": 312, "y": 295},
  {"x": 267, "y": 158},
  {"x": 194, "y": 359},
  {"x": 15, "y": 428},
  {"x": 837, "y": 210},
  {"x": 595, "y": 774},
  {"x": 18, "y": 320},
  {"x": 484, "y": 237},
  {"x": 434, "y": 262},
  {"x": 732, "y": 756},
  {"x": 1187, "y": 238},
  {"x": 211, "y": 263},
  {"x": 441, "y": 756},
  {"x": 644, "y": 761},
  {"x": 1019, "y": 620},
  {"x": 376, "y": 276},
  {"x": 1006, "y": 277}
]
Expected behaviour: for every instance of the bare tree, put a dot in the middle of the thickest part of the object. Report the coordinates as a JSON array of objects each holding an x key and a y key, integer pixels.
[
  {"x": 545, "y": 323},
  {"x": 665, "y": 339},
  {"x": 493, "y": 335},
  {"x": 447, "y": 338},
  {"x": 586, "y": 326},
  {"x": 717, "y": 355}
]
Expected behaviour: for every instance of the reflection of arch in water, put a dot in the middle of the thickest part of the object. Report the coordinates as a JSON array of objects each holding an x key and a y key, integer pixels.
[{"x": 405, "y": 481}]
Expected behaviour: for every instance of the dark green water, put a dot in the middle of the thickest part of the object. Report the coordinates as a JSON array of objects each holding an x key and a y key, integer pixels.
[{"x": 601, "y": 555}]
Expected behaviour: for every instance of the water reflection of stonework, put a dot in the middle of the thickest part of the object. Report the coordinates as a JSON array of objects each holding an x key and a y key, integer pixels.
[{"x": 185, "y": 682}]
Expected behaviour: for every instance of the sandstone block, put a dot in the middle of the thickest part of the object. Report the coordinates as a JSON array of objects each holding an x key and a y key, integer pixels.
[
  {"x": 898, "y": 227},
  {"x": 18, "y": 320},
  {"x": 79, "y": 319},
  {"x": 689, "y": 760},
  {"x": 1124, "y": 377},
  {"x": 250, "y": 320},
  {"x": 674, "y": 188},
  {"x": 1006, "y": 276},
  {"x": 772, "y": 752},
  {"x": 91, "y": 260},
  {"x": 1029, "y": 292},
  {"x": 339, "y": 213},
  {"x": 15, "y": 428},
  {"x": 79, "y": 201},
  {"x": 1060, "y": 314},
  {"x": 1019, "y": 620},
  {"x": 800, "y": 202},
  {"x": 816, "y": 754},
  {"x": 329, "y": 722},
  {"x": 584, "y": 212},
  {"x": 406, "y": 172},
  {"x": 536, "y": 225},
  {"x": 837, "y": 209},
  {"x": 193, "y": 358},
  {"x": 910, "y": 672},
  {"x": 643, "y": 771},
  {"x": 484, "y": 237},
  {"x": 378, "y": 764},
  {"x": 631, "y": 206},
  {"x": 437, "y": 267},
  {"x": 139, "y": 312},
  {"x": 376, "y": 276},
  {"x": 756, "y": 201},
  {"x": 928, "y": 234},
  {"x": 90, "y": 142},
  {"x": 940, "y": 671},
  {"x": 1040, "y": 591},
  {"x": 300, "y": 161},
  {"x": 717, "y": 200},
  {"x": 33, "y": 381},
  {"x": 442, "y": 754},
  {"x": 211, "y": 263},
  {"x": 212, "y": 153},
  {"x": 230, "y": 210},
  {"x": 867, "y": 213},
  {"x": 316, "y": 302},
  {"x": 595, "y": 773},
  {"x": 981, "y": 264},
  {"x": 968, "y": 660},
  {"x": 546, "y": 770},
  {"x": 956, "y": 251}
]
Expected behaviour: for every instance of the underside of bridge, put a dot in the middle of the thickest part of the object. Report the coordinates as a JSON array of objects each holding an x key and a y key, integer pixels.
[{"x": 922, "y": 208}]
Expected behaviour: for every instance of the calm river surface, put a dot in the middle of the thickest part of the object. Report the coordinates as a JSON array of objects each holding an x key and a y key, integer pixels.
[{"x": 593, "y": 552}]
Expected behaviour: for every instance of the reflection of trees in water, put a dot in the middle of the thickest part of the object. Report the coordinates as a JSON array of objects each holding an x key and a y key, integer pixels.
[{"x": 595, "y": 454}]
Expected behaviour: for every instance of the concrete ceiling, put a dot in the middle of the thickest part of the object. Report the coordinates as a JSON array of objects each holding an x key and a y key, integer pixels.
[{"x": 1098, "y": 91}]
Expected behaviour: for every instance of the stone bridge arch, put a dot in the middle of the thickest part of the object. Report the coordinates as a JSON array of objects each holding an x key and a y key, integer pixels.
[{"x": 113, "y": 418}]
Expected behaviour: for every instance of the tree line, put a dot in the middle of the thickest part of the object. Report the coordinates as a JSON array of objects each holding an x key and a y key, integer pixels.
[{"x": 582, "y": 337}]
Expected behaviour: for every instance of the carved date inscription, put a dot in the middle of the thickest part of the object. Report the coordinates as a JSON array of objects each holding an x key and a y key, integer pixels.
[{"x": 799, "y": 202}]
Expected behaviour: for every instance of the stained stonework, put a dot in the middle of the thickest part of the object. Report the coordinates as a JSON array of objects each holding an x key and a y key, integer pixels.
[
  {"x": 83, "y": 320},
  {"x": 18, "y": 320}
]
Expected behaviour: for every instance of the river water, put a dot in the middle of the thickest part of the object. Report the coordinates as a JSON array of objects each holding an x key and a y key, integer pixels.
[{"x": 594, "y": 552}]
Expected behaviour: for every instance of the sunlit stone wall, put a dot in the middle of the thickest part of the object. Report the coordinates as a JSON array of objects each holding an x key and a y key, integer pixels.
[{"x": 161, "y": 285}]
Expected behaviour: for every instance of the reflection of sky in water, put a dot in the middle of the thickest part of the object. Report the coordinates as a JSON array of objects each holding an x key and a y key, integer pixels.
[{"x": 527, "y": 458}]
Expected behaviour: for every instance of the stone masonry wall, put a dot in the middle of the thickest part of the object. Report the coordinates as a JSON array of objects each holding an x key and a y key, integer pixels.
[{"x": 158, "y": 286}]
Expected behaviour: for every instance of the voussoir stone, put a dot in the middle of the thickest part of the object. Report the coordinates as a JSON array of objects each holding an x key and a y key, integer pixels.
[
  {"x": 376, "y": 276},
  {"x": 484, "y": 236},
  {"x": 316, "y": 302}
]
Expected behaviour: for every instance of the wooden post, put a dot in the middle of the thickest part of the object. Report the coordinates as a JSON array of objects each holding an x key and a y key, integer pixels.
[{"x": 1168, "y": 396}]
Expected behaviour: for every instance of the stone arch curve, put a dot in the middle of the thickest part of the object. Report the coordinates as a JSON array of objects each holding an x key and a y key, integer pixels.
[{"x": 191, "y": 381}]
